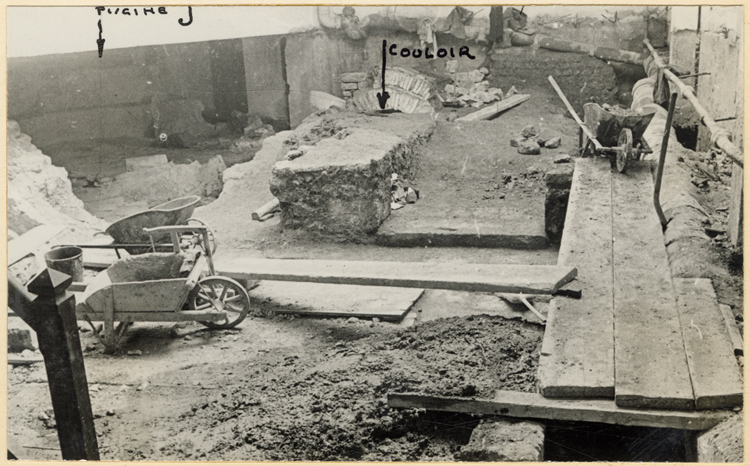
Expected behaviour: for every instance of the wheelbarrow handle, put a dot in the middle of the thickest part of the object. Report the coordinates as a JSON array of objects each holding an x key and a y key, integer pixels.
[
  {"x": 176, "y": 229},
  {"x": 573, "y": 113}
]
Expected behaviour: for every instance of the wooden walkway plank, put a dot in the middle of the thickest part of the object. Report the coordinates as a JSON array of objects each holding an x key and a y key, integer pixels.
[
  {"x": 714, "y": 371},
  {"x": 651, "y": 368},
  {"x": 535, "y": 406},
  {"x": 733, "y": 329},
  {"x": 533, "y": 279},
  {"x": 577, "y": 357}
]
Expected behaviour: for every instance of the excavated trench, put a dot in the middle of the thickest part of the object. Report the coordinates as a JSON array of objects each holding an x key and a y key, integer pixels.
[{"x": 295, "y": 404}]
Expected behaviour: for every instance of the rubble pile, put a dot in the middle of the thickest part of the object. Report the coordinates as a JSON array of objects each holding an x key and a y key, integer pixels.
[
  {"x": 253, "y": 131},
  {"x": 470, "y": 88},
  {"x": 402, "y": 192},
  {"x": 409, "y": 90},
  {"x": 532, "y": 139},
  {"x": 39, "y": 192}
]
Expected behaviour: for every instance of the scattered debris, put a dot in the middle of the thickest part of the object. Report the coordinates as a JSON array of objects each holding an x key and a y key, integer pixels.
[
  {"x": 401, "y": 192},
  {"x": 552, "y": 143},
  {"x": 528, "y": 147},
  {"x": 529, "y": 131},
  {"x": 469, "y": 88},
  {"x": 562, "y": 158},
  {"x": 267, "y": 210}
]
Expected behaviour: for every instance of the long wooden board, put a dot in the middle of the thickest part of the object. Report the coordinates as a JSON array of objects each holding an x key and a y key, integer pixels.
[
  {"x": 155, "y": 316},
  {"x": 535, "y": 279},
  {"x": 31, "y": 241},
  {"x": 714, "y": 371},
  {"x": 577, "y": 357},
  {"x": 496, "y": 108},
  {"x": 535, "y": 406},
  {"x": 651, "y": 368}
]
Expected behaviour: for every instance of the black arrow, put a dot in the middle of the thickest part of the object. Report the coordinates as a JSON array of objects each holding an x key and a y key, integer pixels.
[
  {"x": 100, "y": 41},
  {"x": 383, "y": 98}
]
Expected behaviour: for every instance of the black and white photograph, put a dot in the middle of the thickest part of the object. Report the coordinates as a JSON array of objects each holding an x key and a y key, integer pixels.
[{"x": 375, "y": 233}]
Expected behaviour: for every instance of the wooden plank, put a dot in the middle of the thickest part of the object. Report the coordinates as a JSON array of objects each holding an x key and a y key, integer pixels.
[
  {"x": 714, "y": 371},
  {"x": 535, "y": 406},
  {"x": 651, "y": 368},
  {"x": 533, "y": 279},
  {"x": 490, "y": 111},
  {"x": 734, "y": 331},
  {"x": 156, "y": 295},
  {"x": 20, "y": 360},
  {"x": 154, "y": 316},
  {"x": 326, "y": 300},
  {"x": 573, "y": 113},
  {"x": 31, "y": 241},
  {"x": 577, "y": 357}
]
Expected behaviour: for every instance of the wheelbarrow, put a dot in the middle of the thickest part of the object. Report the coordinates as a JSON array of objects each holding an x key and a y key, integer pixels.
[
  {"x": 605, "y": 133},
  {"x": 163, "y": 287},
  {"x": 128, "y": 233}
]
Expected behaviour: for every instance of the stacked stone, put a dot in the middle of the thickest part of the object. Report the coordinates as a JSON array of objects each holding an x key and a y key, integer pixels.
[
  {"x": 352, "y": 82},
  {"x": 409, "y": 92}
]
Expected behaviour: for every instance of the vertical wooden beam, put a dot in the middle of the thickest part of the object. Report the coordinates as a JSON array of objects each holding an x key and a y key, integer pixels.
[
  {"x": 734, "y": 222},
  {"x": 51, "y": 313},
  {"x": 683, "y": 38}
]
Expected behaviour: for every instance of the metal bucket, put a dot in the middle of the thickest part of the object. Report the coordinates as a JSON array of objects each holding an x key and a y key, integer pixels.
[{"x": 66, "y": 259}]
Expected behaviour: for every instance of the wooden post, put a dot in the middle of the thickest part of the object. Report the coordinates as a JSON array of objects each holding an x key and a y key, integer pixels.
[
  {"x": 51, "y": 314},
  {"x": 734, "y": 222}
]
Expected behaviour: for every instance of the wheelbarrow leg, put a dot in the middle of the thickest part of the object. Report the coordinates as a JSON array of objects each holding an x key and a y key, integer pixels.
[{"x": 109, "y": 338}]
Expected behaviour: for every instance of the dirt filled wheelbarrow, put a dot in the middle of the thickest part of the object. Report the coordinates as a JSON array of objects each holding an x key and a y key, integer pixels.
[
  {"x": 610, "y": 132},
  {"x": 162, "y": 287},
  {"x": 614, "y": 133},
  {"x": 128, "y": 233}
]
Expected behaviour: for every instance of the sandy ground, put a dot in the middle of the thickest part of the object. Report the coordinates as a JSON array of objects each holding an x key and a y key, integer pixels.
[{"x": 285, "y": 388}]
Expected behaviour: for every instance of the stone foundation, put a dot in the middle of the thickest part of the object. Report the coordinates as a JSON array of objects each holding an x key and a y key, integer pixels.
[
  {"x": 558, "y": 182},
  {"x": 505, "y": 440},
  {"x": 341, "y": 186}
]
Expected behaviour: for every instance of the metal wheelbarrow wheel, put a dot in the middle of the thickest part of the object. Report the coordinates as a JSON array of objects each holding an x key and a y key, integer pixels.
[
  {"x": 625, "y": 150},
  {"x": 221, "y": 294}
]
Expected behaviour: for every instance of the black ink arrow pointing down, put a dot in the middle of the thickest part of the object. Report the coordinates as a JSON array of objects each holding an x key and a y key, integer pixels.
[
  {"x": 100, "y": 41},
  {"x": 383, "y": 98}
]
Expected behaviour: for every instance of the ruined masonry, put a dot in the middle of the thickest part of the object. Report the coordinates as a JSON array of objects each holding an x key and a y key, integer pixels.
[{"x": 342, "y": 187}]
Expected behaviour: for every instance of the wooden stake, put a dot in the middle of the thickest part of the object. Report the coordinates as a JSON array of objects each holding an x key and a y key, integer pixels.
[{"x": 52, "y": 316}]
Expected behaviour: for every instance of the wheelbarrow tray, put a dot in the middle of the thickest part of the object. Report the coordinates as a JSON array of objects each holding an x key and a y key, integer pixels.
[
  {"x": 606, "y": 126},
  {"x": 113, "y": 296},
  {"x": 129, "y": 230}
]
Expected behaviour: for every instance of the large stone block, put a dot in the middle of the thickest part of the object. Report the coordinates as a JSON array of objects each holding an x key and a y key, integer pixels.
[
  {"x": 723, "y": 443},
  {"x": 505, "y": 440},
  {"x": 340, "y": 186}
]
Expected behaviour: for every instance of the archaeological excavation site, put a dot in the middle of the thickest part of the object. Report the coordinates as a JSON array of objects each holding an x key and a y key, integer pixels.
[{"x": 375, "y": 233}]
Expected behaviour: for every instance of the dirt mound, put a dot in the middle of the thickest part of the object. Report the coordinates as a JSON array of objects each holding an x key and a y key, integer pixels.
[
  {"x": 40, "y": 193},
  {"x": 330, "y": 405}
]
